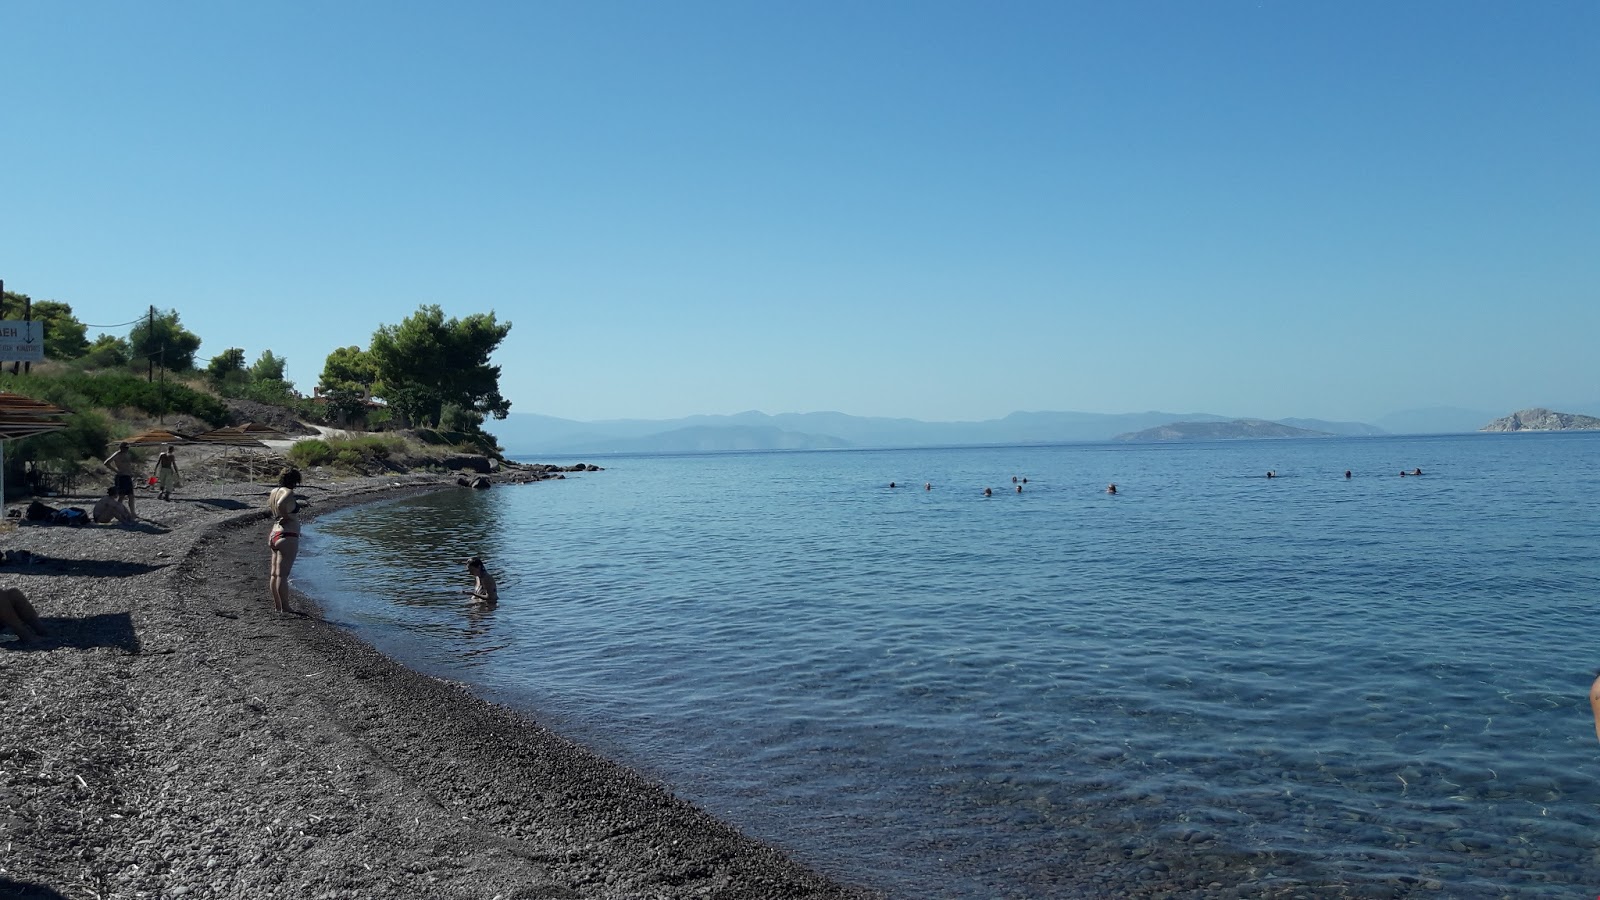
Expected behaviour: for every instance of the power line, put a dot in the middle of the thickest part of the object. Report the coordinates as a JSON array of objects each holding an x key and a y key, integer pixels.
[{"x": 118, "y": 325}]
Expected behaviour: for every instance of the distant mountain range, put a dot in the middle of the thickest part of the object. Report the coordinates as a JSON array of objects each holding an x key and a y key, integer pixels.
[
  {"x": 1238, "y": 429},
  {"x": 527, "y": 433}
]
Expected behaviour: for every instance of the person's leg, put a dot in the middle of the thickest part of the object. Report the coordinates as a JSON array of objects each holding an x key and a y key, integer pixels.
[
  {"x": 274, "y": 582},
  {"x": 288, "y": 549}
]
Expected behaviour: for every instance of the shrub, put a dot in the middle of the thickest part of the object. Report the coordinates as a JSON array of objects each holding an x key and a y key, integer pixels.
[
  {"x": 64, "y": 452},
  {"x": 355, "y": 454},
  {"x": 307, "y": 454},
  {"x": 120, "y": 390}
]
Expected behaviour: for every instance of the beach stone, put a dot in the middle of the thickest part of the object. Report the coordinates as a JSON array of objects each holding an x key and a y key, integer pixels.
[{"x": 470, "y": 462}]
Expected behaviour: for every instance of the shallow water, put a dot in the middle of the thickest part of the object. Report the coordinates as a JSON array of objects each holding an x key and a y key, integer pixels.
[{"x": 1356, "y": 687}]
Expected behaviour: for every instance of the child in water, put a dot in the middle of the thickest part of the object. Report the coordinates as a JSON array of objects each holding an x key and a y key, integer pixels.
[{"x": 482, "y": 582}]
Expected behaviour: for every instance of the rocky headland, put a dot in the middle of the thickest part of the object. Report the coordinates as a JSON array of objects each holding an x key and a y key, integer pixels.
[{"x": 1540, "y": 419}]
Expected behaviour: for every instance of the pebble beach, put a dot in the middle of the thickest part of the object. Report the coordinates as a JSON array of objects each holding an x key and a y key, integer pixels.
[{"x": 173, "y": 737}]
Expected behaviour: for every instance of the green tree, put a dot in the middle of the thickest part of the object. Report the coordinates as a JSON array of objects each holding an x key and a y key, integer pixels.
[
  {"x": 347, "y": 377},
  {"x": 65, "y": 338},
  {"x": 225, "y": 363},
  {"x": 164, "y": 340},
  {"x": 347, "y": 366},
  {"x": 428, "y": 361},
  {"x": 107, "y": 352},
  {"x": 268, "y": 367}
]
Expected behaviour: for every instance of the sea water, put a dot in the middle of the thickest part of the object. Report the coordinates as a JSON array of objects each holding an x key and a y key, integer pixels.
[{"x": 1211, "y": 682}]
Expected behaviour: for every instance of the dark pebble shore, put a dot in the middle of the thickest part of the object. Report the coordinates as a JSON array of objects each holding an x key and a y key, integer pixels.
[{"x": 173, "y": 737}]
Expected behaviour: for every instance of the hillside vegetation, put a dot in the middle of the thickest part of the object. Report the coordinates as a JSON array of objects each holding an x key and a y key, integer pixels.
[{"x": 416, "y": 397}]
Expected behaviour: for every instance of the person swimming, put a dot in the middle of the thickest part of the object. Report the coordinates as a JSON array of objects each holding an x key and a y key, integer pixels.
[
  {"x": 1019, "y": 488},
  {"x": 988, "y": 492},
  {"x": 1347, "y": 473},
  {"x": 1594, "y": 703},
  {"x": 927, "y": 486},
  {"x": 1111, "y": 488}
]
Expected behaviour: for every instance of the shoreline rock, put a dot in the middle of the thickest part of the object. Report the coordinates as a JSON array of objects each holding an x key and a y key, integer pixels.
[{"x": 175, "y": 738}]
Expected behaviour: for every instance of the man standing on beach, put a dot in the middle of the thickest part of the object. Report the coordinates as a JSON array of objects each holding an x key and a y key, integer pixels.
[
  {"x": 121, "y": 464},
  {"x": 167, "y": 472}
]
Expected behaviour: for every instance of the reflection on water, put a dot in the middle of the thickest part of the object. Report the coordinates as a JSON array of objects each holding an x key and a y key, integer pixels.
[{"x": 1212, "y": 683}]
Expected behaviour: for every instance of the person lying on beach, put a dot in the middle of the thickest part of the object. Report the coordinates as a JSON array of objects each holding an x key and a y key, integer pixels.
[
  {"x": 18, "y": 614},
  {"x": 482, "y": 582},
  {"x": 108, "y": 508}
]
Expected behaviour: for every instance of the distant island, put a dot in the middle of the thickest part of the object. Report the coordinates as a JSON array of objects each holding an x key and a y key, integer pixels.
[
  {"x": 1541, "y": 419},
  {"x": 1237, "y": 429}
]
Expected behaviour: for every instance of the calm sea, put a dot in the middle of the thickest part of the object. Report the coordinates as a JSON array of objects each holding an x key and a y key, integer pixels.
[{"x": 1211, "y": 683}]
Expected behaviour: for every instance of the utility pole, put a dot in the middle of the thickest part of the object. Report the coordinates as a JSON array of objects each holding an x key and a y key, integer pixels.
[
  {"x": 2, "y": 316},
  {"x": 27, "y": 316},
  {"x": 150, "y": 358},
  {"x": 27, "y": 313}
]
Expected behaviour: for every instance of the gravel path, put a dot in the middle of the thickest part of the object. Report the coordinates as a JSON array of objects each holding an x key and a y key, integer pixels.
[{"x": 174, "y": 738}]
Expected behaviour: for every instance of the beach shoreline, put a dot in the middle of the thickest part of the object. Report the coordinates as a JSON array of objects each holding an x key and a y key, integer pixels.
[{"x": 175, "y": 738}]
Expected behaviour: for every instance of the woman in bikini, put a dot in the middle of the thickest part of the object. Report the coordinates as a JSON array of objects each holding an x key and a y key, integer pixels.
[{"x": 285, "y": 537}]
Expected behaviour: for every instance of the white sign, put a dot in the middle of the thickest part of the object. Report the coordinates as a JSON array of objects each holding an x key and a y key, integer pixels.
[{"x": 22, "y": 341}]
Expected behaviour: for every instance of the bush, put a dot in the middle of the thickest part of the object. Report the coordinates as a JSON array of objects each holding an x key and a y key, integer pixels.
[
  {"x": 308, "y": 454},
  {"x": 120, "y": 390},
  {"x": 69, "y": 452},
  {"x": 358, "y": 454}
]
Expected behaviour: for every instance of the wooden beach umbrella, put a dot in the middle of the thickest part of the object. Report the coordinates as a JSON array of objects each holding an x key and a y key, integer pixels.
[
  {"x": 240, "y": 436},
  {"x": 231, "y": 436},
  {"x": 157, "y": 436},
  {"x": 22, "y": 417},
  {"x": 264, "y": 432}
]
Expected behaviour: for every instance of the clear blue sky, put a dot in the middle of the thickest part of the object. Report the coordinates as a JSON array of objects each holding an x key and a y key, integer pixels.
[{"x": 924, "y": 209}]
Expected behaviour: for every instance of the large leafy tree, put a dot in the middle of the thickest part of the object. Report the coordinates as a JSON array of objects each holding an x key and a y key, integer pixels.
[
  {"x": 226, "y": 363},
  {"x": 64, "y": 336},
  {"x": 164, "y": 339},
  {"x": 268, "y": 367},
  {"x": 347, "y": 378},
  {"x": 428, "y": 361}
]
